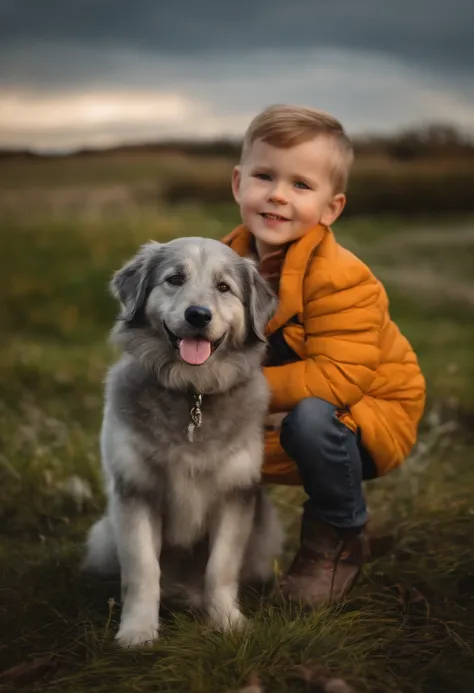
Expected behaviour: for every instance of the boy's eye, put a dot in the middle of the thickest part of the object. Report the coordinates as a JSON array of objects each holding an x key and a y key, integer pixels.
[
  {"x": 262, "y": 176},
  {"x": 302, "y": 185}
]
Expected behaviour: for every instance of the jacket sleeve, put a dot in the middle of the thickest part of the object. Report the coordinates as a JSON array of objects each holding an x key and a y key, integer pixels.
[{"x": 342, "y": 323}]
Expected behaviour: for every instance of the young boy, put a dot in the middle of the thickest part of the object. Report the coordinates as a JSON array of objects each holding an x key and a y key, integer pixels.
[{"x": 347, "y": 391}]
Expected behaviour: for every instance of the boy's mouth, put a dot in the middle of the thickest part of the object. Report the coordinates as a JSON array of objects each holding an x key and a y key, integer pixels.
[{"x": 273, "y": 217}]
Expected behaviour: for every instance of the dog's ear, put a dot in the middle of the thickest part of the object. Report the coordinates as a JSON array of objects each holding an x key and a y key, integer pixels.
[
  {"x": 262, "y": 302},
  {"x": 130, "y": 283}
]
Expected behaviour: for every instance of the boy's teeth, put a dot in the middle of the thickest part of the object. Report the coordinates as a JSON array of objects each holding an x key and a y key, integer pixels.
[{"x": 274, "y": 216}]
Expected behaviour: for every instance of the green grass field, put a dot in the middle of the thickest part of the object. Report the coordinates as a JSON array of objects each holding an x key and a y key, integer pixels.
[{"x": 409, "y": 624}]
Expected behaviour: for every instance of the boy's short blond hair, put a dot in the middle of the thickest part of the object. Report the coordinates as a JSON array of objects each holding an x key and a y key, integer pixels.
[{"x": 287, "y": 126}]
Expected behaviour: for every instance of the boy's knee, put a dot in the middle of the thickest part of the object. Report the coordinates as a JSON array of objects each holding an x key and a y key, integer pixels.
[{"x": 308, "y": 423}]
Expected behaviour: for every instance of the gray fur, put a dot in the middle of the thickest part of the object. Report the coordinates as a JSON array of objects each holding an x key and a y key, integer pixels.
[{"x": 169, "y": 497}]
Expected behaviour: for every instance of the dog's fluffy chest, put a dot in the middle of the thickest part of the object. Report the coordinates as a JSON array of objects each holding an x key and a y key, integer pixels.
[
  {"x": 185, "y": 480},
  {"x": 187, "y": 503},
  {"x": 197, "y": 483},
  {"x": 197, "y": 425}
]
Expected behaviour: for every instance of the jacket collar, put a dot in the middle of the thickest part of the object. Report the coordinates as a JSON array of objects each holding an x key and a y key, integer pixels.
[{"x": 293, "y": 270}]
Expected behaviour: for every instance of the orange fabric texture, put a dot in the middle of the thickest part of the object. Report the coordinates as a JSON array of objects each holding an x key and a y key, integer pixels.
[{"x": 352, "y": 354}]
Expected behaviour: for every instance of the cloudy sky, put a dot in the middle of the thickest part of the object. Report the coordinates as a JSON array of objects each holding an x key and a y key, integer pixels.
[{"x": 98, "y": 72}]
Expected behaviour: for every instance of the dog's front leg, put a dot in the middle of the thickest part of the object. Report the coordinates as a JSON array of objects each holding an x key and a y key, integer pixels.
[
  {"x": 229, "y": 536},
  {"x": 138, "y": 535}
]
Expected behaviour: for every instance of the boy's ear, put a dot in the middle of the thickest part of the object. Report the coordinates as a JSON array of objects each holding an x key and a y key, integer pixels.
[
  {"x": 333, "y": 209},
  {"x": 236, "y": 175}
]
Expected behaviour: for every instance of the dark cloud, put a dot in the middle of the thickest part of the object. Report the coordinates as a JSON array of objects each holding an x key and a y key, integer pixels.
[
  {"x": 99, "y": 71},
  {"x": 435, "y": 33}
]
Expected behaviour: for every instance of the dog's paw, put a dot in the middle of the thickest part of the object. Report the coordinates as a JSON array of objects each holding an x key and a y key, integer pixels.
[
  {"x": 237, "y": 621},
  {"x": 233, "y": 620},
  {"x": 133, "y": 634}
]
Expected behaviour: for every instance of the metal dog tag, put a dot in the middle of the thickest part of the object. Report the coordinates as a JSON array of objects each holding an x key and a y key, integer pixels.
[
  {"x": 191, "y": 428},
  {"x": 196, "y": 417}
]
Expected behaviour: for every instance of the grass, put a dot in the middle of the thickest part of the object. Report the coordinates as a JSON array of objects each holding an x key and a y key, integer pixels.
[{"x": 409, "y": 624}]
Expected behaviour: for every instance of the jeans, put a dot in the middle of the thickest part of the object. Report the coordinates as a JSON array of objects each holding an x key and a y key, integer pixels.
[{"x": 331, "y": 462}]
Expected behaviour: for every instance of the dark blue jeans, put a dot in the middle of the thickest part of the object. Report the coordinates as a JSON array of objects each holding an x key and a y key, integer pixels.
[{"x": 331, "y": 462}]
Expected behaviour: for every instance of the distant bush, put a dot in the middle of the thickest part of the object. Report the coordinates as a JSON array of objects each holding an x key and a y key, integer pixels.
[
  {"x": 411, "y": 192},
  {"x": 440, "y": 142}
]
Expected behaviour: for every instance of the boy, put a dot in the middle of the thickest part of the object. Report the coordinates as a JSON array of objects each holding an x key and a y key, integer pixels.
[{"x": 346, "y": 386}]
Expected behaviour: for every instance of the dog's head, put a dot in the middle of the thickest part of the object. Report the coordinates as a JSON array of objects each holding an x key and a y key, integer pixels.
[{"x": 194, "y": 311}]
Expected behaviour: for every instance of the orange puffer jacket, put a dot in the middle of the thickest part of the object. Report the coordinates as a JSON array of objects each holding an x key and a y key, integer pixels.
[{"x": 334, "y": 316}]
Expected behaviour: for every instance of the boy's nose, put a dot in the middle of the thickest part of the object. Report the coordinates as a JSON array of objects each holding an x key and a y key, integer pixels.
[{"x": 278, "y": 197}]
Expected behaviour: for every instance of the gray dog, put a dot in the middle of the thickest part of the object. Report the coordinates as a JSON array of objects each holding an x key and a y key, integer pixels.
[{"x": 182, "y": 435}]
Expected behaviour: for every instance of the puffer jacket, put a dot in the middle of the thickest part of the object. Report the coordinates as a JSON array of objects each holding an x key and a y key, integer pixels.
[{"x": 333, "y": 316}]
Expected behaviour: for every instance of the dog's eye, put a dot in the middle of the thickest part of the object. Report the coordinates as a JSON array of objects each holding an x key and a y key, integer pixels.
[
  {"x": 175, "y": 280},
  {"x": 223, "y": 287}
]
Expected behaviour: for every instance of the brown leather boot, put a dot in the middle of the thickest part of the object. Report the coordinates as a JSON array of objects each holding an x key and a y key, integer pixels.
[{"x": 327, "y": 563}]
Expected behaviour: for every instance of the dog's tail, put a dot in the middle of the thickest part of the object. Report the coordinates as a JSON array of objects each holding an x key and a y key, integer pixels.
[{"x": 101, "y": 550}]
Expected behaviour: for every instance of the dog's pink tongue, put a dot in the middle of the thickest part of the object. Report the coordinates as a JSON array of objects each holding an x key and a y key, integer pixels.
[{"x": 194, "y": 351}]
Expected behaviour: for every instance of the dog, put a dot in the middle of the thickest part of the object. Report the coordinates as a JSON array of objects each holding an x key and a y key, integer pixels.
[{"x": 182, "y": 436}]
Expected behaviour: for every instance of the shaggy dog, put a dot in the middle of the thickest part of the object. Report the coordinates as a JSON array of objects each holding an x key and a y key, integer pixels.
[{"x": 182, "y": 435}]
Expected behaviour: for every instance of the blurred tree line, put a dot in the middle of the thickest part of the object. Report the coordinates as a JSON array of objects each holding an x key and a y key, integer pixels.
[{"x": 424, "y": 170}]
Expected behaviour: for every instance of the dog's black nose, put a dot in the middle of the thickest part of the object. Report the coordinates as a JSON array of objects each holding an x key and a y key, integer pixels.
[{"x": 198, "y": 316}]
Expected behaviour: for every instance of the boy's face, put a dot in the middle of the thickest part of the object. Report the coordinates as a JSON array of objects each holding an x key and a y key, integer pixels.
[{"x": 283, "y": 193}]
